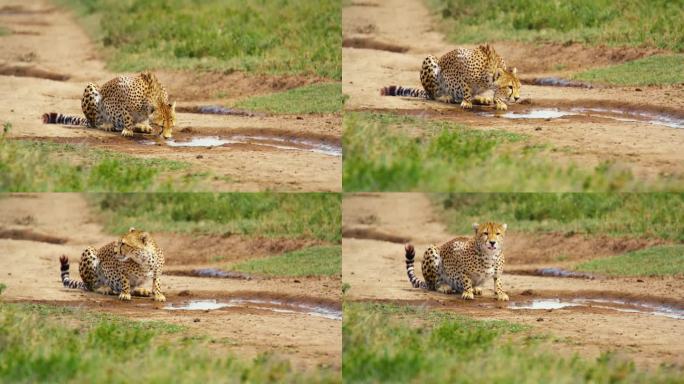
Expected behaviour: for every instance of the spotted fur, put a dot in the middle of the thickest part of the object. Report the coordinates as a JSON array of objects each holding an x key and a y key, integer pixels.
[
  {"x": 124, "y": 104},
  {"x": 120, "y": 267},
  {"x": 463, "y": 75},
  {"x": 463, "y": 264}
]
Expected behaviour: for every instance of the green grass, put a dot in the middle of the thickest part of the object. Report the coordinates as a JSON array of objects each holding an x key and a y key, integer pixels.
[
  {"x": 400, "y": 344},
  {"x": 291, "y": 37},
  {"x": 633, "y": 23},
  {"x": 647, "y": 215},
  {"x": 384, "y": 152},
  {"x": 654, "y": 70},
  {"x": 277, "y": 215},
  {"x": 45, "y": 344},
  {"x": 37, "y": 166},
  {"x": 315, "y": 98},
  {"x": 2, "y": 288},
  {"x": 666, "y": 260},
  {"x": 315, "y": 261}
]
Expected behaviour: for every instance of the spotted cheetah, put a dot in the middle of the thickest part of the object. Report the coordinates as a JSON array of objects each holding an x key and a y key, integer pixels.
[
  {"x": 125, "y": 104},
  {"x": 463, "y": 263},
  {"x": 120, "y": 266},
  {"x": 462, "y": 75}
]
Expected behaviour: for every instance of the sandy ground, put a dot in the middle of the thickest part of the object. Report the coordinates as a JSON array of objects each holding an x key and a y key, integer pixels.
[
  {"x": 386, "y": 41},
  {"x": 374, "y": 268},
  {"x": 46, "y": 60},
  {"x": 35, "y": 229}
]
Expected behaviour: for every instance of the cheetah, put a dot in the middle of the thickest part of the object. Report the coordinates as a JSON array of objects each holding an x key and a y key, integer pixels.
[
  {"x": 463, "y": 75},
  {"x": 120, "y": 267},
  {"x": 463, "y": 263},
  {"x": 125, "y": 104}
]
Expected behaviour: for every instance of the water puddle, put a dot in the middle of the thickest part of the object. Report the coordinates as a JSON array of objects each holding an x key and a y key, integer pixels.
[
  {"x": 558, "y": 82},
  {"x": 266, "y": 305},
  {"x": 610, "y": 113},
  {"x": 290, "y": 144},
  {"x": 613, "y": 304},
  {"x": 218, "y": 110},
  {"x": 213, "y": 272},
  {"x": 555, "y": 272}
]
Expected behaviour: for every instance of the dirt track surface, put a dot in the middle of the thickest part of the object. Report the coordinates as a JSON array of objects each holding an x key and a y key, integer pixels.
[
  {"x": 386, "y": 42},
  {"x": 30, "y": 269},
  {"x": 46, "y": 60},
  {"x": 375, "y": 270}
]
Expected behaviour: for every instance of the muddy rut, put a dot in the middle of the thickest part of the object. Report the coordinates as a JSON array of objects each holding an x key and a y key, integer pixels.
[
  {"x": 41, "y": 73},
  {"x": 298, "y": 319},
  {"x": 386, "y": 42},
  {"x": 641, "y": 318}
]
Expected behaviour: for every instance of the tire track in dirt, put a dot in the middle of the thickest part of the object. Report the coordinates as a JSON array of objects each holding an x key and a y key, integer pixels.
[
  {"x": 652, "y": 152},
  {"x": 30, "y": 269},
  {"x": 46, "y": 60},
  {"x": 375, "y": 270}
]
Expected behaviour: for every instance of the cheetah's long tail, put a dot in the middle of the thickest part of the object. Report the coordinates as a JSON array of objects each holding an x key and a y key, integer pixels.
[
  {"x": 58, "y": 118},
  {"x": 410, "y": 256},
  {"x": 68, "y": 283},
  {"x": 398, "y": 90}
]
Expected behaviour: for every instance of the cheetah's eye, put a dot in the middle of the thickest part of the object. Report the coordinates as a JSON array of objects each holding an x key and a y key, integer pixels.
[
  {"x": 498, "y": 233},
  {"x": 510, "y": 87},
  {"x": 486, "y": 234}
]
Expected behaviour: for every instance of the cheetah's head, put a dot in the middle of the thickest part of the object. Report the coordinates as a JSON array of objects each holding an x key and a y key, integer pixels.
[
  {"x": 507, "y": 84},
  {"x": 165, "y": 116},
  {"x": 490, "y": 236},
  {"x": 136, "y": 245}
]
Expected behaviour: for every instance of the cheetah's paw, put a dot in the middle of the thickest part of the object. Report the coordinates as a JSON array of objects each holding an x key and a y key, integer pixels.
[
  {"x": 159, "y": 297},
  {"x": 125, "y": 296},
  {"x": 468, "y": 295},
  {"x": 502, "y": 296},
  {"x": 466, "y": 104},
  {"x": 477, "y": 291}
]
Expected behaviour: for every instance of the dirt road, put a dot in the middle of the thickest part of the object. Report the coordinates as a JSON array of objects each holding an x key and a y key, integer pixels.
[
  {"x": 386, "y": 41},
  {"x": 298, "y": 319},
  {"x": 46, "y": 60},
  {"x": 375, "y": 270}
]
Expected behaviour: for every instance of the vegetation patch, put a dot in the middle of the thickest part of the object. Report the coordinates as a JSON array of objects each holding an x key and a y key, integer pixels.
[
  {"x": 278, "y": 215},
  {"x": 385, "y": 152},
  {"x": 314, "y": 261},
  {"x": 654, "y": 70},
  {"x": 36, "y": 166},
  {"x": 276, "y": 37},
  {"x": 315, "y": 98},
  {"x": 633, "y": 23},
  {"x": 646, "y": 215},
  {"x": 401, "y": 344},
  {"x": 48, "y": 344},
  {"x": 667, "y": 260}
]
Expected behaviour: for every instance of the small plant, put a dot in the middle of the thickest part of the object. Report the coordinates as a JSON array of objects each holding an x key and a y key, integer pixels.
[
  {"x": 345, "y": 287},
  {"x": 2, "y": 287}
]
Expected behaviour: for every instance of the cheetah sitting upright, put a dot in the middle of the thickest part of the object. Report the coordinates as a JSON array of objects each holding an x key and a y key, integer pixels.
[
  {"x": 463, "y": 263},
  {"x": 462, "y": 75},
  {"x": 120, "y": 267},
  {"x": 124, "y": 104}
]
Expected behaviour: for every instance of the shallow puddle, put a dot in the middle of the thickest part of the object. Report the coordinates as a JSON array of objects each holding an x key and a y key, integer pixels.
[
  {"x": 293, "y": 144},
  {"x": 267, "y": 305},
  {"x": 613, "y": 304},
  {"x": 610, "y": 113},
  {"x": 555, "y": 272}
]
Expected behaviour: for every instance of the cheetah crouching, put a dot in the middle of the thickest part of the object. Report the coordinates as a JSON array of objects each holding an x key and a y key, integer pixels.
[{"x": 463, "y": 264}]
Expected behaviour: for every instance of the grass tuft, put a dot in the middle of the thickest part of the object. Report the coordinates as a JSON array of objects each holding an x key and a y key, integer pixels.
[
  {"x": 276, "y": 37},
  {"x": 286, "y": 215},
  {"x": 315, "y": 98},
  {"x": 666, "y": 260},
  {"x": 47, "y": 344},
  {"x": 645, "y": 215},
  {"x": 36, "y": 166},
  {"x": 654, "y": 70},
  {"x": 633, "y": 23},
  {"x": 315, "y": 261},
  {"x": 400, "y": 344},
  {"x": 384, "y": 152}
]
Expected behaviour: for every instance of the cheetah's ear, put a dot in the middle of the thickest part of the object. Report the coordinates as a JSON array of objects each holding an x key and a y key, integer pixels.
[
  {"x": 497, "y": 74},
  {"x": 131, "y": 229},
  {"x": 476, "y": 226},
  {"x": 172, "y": 106},
  {"x": 505, "y": 226},
  {"x": 514, "y": 71},
  {"x": 144, "y": 237}
]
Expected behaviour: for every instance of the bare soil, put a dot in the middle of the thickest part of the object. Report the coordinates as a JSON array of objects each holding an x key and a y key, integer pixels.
[
  {"x": 375, "y": 270},
  {"x": 381, "y": 50},
  {"x": 30, "y": 269},
  {"x": 47, "y": 59}
]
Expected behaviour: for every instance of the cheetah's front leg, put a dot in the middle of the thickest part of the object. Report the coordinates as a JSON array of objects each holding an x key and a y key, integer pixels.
[
  {"x": 467, "y": 97},
  {"x": 500, "y": 294},
  {"x": 125, "y": 294},
  {"x": 156, "y": 288},
  {"x": 468, "y": 292}
]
